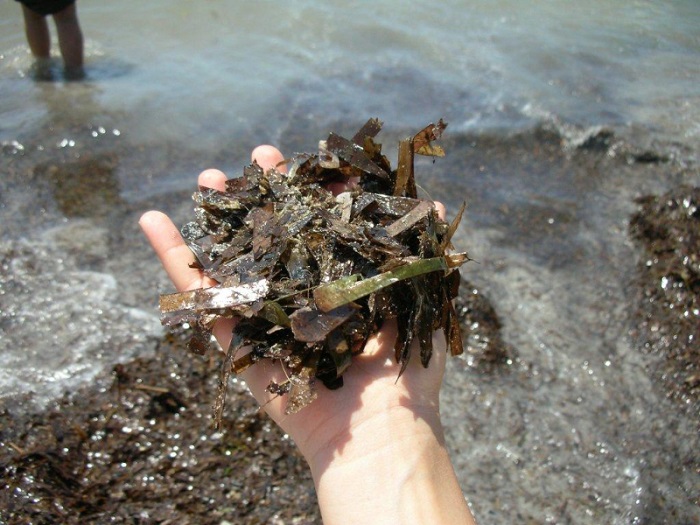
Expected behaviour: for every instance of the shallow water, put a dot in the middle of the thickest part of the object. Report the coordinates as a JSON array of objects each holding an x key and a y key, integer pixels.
[{"x": 576, "y": 428}]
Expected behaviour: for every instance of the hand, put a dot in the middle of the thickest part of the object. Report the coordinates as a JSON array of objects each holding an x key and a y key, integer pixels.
[{"x": 375, "y": 429}]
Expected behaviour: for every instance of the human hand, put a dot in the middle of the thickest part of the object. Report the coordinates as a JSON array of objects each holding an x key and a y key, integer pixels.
[{"x": 374, "y": 420}]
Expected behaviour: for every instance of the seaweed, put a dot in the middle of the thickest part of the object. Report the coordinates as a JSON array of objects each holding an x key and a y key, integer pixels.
[{"x": 310, "y": 275}]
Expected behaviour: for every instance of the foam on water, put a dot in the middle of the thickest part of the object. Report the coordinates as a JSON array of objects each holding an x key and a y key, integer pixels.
[{"x": 61, "y": 325}]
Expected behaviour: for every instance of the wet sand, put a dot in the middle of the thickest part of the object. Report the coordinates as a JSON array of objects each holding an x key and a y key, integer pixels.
[{"x": 144, "y": 451}]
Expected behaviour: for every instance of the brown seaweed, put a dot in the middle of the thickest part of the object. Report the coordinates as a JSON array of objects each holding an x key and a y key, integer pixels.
[{"x": 309, "y": 275}]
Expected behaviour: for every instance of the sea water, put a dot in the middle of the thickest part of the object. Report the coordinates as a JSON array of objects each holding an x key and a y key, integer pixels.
[
  {"x": 575, "y": 429},
  {"x": 207, "y": 70}
]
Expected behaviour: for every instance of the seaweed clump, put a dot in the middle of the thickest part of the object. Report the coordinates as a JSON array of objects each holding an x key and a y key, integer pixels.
[
  {"x": 309, "y": 275},
  {"x": 668, "y": 229}
]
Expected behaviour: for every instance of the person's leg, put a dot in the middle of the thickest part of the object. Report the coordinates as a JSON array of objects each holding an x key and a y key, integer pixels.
[
  {"x": 70, "y": 38},
  {"x": 37, "y": 31}
]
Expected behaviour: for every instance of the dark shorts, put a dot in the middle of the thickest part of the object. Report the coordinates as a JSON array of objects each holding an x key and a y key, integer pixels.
[{"x": 46, "y": 7}]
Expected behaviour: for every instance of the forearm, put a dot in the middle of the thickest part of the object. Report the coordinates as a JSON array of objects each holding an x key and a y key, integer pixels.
[{"x": 395, "y": 471}]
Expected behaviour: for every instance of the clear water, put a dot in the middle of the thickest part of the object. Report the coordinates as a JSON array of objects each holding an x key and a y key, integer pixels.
[{"x": 577, "y": 430}]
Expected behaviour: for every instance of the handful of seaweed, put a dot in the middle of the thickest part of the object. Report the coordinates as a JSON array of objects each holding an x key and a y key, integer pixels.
[{"x": 310, "y": 275}]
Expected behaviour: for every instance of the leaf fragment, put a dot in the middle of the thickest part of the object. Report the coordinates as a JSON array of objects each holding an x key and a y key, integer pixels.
[
  {"x": 423, "y": 140},
  {"x": 214, "y": 298},
  {"x": 333, "y": 295},
  {"x": 310, "y": 325}
]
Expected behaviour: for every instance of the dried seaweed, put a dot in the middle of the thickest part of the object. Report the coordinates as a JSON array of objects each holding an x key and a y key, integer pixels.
[{"x": 310, "y": 275}]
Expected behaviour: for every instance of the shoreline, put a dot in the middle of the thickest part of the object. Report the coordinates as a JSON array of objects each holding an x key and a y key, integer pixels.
[{"x": 45, "y": 455}]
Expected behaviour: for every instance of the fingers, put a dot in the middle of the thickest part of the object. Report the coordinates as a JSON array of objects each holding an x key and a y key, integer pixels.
[
  {"x": 440, "y": 208},
  {"x": 214, "y": 179},
  {"x": 172, "y": 251},
  {"x": 339, "y": 187},
  {"x": 268, "y": 157},
  {"x": 169, "y": 245}
]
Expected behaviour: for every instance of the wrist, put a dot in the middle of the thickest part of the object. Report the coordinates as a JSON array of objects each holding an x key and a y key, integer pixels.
[
  {"x": 386, "y": 431},
  {"x": 395, "y": 469}
]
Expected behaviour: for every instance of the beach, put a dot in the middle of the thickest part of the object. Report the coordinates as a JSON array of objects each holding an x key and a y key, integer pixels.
[{"x": 577, "y": 400}]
